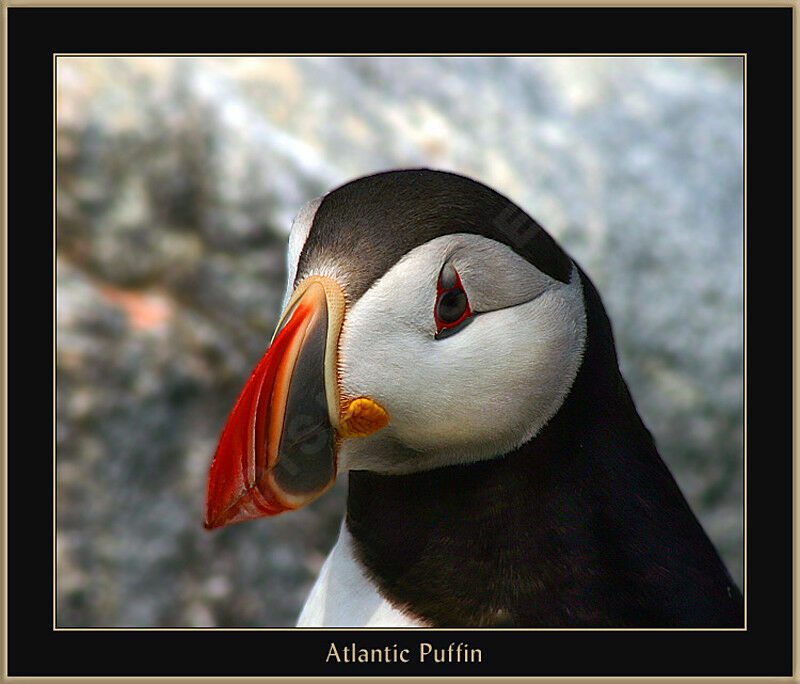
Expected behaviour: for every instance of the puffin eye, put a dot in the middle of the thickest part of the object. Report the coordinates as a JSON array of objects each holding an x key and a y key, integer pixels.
[
  {"x": 451, "y": 306},
  {"x": 451, "y": 311}
]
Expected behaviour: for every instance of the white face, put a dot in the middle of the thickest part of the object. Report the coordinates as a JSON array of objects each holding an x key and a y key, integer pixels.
[{"x": 477, "y": 393}]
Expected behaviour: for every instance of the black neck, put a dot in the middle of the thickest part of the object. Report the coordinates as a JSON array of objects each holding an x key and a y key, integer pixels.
[{"x": 581, "y": 526}]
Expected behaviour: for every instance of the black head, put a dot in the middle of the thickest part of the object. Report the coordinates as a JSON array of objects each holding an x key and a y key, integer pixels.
[{"x": 368, "y": 224}]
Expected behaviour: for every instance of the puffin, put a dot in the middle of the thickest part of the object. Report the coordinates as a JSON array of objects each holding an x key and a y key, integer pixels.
[{"x": 440, "y": 347}]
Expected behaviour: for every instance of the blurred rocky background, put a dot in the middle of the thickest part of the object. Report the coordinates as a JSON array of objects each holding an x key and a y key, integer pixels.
[{"x": 177, "y": 182}]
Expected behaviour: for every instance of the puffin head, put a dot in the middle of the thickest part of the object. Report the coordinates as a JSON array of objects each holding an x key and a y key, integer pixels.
[{"x": 428, "y": 321}]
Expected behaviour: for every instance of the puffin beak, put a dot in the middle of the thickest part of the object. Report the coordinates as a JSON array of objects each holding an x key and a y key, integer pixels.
[{"x": 279, "y": 448}]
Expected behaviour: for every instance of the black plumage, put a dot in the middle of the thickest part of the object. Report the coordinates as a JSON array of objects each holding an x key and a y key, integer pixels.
[
  {"x": 583, "y": 525},
  {"x": 367, "y": 225}
]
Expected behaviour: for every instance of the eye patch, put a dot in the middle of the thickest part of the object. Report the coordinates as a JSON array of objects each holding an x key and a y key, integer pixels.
[{"x": 452, "y": 308}]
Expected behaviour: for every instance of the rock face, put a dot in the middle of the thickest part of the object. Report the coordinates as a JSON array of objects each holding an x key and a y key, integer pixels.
[{"x": 177, "y": 182}]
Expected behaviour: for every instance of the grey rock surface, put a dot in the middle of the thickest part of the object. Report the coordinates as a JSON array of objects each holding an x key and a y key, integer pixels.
[{"x": 177, "y": 182}]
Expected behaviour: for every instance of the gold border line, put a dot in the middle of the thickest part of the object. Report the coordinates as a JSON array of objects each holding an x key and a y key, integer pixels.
[
  {"x": 620, "y": 55},
  {"x": 4, "y": 343},
  {"x": 365, "y": 4},
  {"x": 796, "y": 412},
  {"x": 744, "y": 343},
  {"x": 355, "y": 3},
  {"x": 436, "y": 629},
  {"x": 55, "y": 325}
]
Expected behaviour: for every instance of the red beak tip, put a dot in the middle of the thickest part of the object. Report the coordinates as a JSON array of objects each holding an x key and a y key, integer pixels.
[
  {"x": 215, "y": 518},
  {"x": 210, "y": 523}
]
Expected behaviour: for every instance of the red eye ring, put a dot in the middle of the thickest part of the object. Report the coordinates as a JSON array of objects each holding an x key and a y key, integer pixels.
[{"x": 452, "y": 304}]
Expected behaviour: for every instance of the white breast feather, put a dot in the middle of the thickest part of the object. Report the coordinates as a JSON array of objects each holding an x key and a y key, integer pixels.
[{"x": 343, "y": 596}]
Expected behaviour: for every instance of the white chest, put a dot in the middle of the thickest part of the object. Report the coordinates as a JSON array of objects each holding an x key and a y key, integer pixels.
[{"x": 343, "y": 596}]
